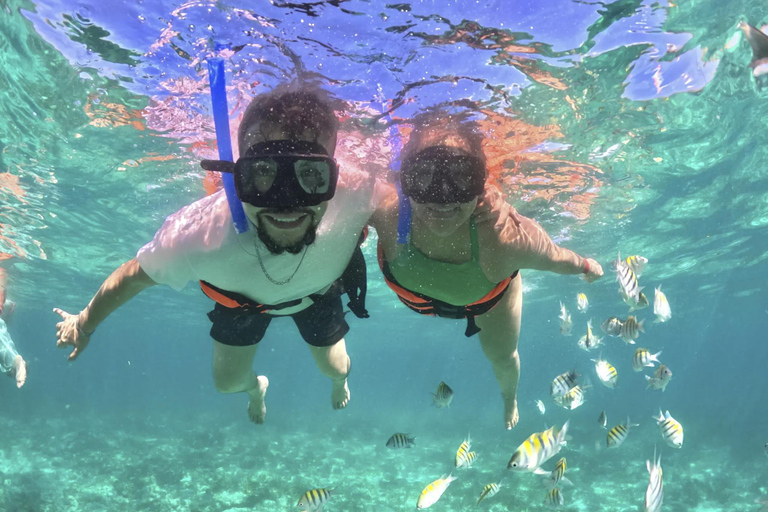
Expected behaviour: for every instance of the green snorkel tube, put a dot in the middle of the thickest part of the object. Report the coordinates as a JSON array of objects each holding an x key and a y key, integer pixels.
[{"x": 223, "y": 140}]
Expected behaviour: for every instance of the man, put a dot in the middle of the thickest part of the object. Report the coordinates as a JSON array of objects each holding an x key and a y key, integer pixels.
[
  {"x": 289, "y": 263},
  {"x": 11, "y": 363}
]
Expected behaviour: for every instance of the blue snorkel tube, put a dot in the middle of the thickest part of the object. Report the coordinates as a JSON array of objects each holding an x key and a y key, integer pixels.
[
  {"x": 223, "y": 140},
  {"x": 404, "y": 205}
]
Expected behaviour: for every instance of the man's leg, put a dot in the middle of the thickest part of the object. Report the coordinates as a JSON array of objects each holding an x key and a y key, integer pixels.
[
  {"x": 334, "y": 362},
  {"x": 498, "y": 337},
  {"x": 233, "y": 373}
]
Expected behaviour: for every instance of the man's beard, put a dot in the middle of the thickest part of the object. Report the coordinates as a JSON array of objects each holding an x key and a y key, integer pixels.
[{"x": 272, "y": 246}]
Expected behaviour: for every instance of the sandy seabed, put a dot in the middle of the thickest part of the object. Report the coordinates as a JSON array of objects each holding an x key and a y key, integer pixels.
[{"x": 198, "y": 462}]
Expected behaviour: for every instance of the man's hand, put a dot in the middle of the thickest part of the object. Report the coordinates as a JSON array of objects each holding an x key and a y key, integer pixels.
[
  {"x": 595, "y": 271},
  {"x": 69, "y": 333}
]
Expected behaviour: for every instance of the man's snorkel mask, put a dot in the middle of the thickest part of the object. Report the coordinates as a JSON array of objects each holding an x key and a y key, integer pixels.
[{"x": 281, "y": 174}]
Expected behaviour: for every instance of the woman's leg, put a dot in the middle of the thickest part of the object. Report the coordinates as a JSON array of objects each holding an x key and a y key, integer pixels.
[
  {"x": 498, "y": 337},
  {"x": 233, "y": 373},
  {"x": 334, "y": 362}
]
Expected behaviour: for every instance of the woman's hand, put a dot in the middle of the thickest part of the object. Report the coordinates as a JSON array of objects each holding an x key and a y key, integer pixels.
[{"x": 69, "y": 333}]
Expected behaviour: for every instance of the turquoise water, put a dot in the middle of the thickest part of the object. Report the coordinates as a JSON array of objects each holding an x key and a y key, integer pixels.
[{"x": 628, "y": 126}]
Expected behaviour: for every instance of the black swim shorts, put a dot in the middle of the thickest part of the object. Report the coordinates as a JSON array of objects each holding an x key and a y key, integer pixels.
[{"x": 321, "y": 325}]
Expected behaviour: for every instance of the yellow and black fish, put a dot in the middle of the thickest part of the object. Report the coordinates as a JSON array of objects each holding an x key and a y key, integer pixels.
[
  {"x": 462, "y": 454},
  {"x": 537, "y": 449},
  {"x": 554, "y": 498},
  {"x": 401, "y": 441},
  {"x": 563, "y": 383},
  {"x": 618, "y": 434},
  {"x": 489, "y": 491},
  {"x": 314, "y": 499}
]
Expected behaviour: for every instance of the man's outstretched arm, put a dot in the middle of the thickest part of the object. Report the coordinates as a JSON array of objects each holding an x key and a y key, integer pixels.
[{"x": 120, "y": 287}]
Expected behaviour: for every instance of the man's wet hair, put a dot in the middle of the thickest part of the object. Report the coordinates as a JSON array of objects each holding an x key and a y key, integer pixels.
[
  {"x": 451, "y": 124},
  {"x": 298, "y": 110}
]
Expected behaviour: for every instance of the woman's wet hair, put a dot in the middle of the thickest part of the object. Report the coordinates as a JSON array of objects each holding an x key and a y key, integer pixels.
[
  {"x": 446, "y": 125},
  {"x": 298, "y": 110}
]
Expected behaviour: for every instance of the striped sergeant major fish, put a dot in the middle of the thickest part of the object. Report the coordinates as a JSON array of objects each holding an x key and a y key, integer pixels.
[
  {"x": 628, "y": 285},
  {"x": 566, "y": 324},
  {"x": 612, "y": 326},
  {"x": 644, "y": 359},
  {"x": 538, "y": 449},
  {"x": 443, "y": 396},
  {"x": 554, "y": 498},
  {"x": 401, "y": 441},
  {"x": 582, "y": 303},
  {"x": 639, "y": 302},
  {"x": 660, "y": 378},
  {"x": 573, "y": 399},
  {"x": 602, "y": 420},
  {"x": 313, "y": 500},
  {"x": 631, "y": 329},
  {"x": 618, "y": 434},
  {"x": 489, "y": 491},
  {"x": 671, "y": 429},
  {"x": 471, "y": 458},
  {"x": 434, "y": 491},
  {"x": 557, "y": 476},
  {"x": 462, "y": 454},
  {"x": 637, "y": 264},
  {"x": 589, "y": 341},
  {"x": 606, "y": 372},
  {"x": 563, "y": 383},
  {"x": 654, "y": 493}
]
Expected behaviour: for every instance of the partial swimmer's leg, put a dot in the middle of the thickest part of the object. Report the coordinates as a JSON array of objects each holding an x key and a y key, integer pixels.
[
  {"x": 498, "y": 337},
  {"x": 233, "y": 373},
  {"x": 334, "y": 362},
  {"x": 20, "y": 367}
]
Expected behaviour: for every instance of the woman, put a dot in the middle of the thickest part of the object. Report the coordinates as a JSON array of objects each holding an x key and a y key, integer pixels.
[{"x": 447, "y": 262}]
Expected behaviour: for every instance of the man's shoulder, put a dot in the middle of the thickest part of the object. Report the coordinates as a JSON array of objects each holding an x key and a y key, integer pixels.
[{"x": 205, "y": 222}]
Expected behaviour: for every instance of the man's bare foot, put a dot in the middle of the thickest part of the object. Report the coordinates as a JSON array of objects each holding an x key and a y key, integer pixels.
[
  {"x": 340, "y": 394},
  {"x": 257, "y": 410},
  {"x": 511, "y": 416},
  {"x": 21, "y": 371}
]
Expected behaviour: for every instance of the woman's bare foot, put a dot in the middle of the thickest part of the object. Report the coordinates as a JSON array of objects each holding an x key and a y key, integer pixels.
[
  {"x": 21, "y": 371},
  {"x": 340, "y": 393},
  {"x": 257, "y": 410},
  {"x": 511, "y": 416}
]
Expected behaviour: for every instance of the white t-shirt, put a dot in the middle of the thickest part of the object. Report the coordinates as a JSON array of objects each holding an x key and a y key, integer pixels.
[{"x": 199, "y": 242}]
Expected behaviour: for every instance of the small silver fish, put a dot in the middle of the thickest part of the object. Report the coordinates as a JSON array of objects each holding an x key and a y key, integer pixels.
[
  {"x": 644, "y": 359},
  {"x": 660, "y": 379},
  {"x": 612, "y": 326},
  {"x": 603, "y": 420},
  {"x": 540, "y": 406},
  {"x": 565, "y": 321},
  {"x": 401, "y": 441},
  {"x": 661, "y": 306},
  {"x": 654, "y": 493},
  {"x": 443, "y": 396}
]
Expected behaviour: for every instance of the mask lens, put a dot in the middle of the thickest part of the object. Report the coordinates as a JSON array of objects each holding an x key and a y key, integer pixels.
[
  {"x": 258, "y": 175},
  {"x": 418, "y": 175},
  {"x": 314, "y": 176}
]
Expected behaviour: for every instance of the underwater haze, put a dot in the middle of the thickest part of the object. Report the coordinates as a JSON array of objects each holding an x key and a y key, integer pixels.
[{"x": 632, "y": 126}]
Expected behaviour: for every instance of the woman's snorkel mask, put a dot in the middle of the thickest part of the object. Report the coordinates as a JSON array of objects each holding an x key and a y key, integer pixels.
[{"x": 442, "y": 175}]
